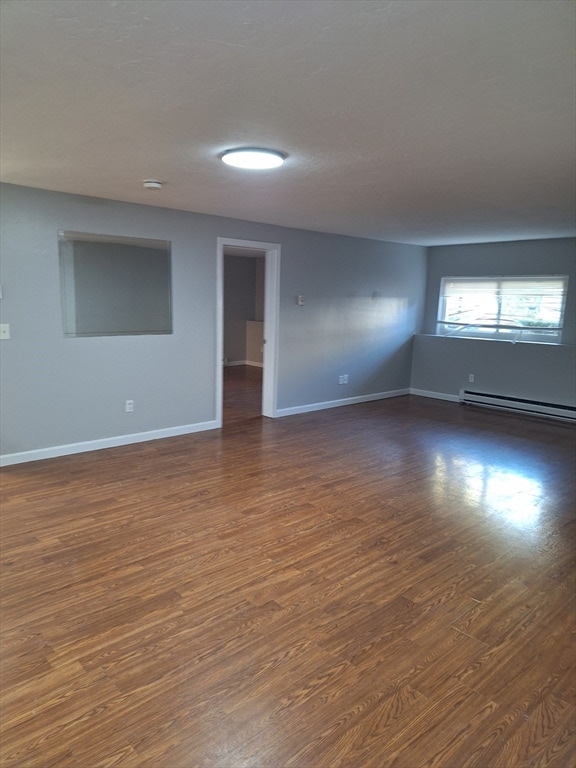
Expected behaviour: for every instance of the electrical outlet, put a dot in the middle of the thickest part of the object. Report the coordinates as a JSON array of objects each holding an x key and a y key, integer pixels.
[
  {"x": 471, "y": 378},
  {"x": 129, "y": 406},
  {"x": 343, "y": 379}
]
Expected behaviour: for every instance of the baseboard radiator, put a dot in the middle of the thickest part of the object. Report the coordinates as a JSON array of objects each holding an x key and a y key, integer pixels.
[{"x": 519, "y": 405}]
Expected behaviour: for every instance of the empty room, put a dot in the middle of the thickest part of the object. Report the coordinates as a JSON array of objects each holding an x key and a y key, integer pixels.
[{"x": 287, "y": 383}]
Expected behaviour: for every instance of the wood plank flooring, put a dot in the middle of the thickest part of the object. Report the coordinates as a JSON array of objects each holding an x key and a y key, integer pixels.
[{"x": 385, "y": 584}]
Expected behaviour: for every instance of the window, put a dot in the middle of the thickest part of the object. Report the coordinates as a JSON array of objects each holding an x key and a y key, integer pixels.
[
  {"x": 510, "y": 308},
  {"x": 114, "y": 285}
]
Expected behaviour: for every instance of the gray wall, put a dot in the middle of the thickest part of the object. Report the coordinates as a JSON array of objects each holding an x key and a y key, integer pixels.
[
  {"x": 260, "y": 290},
  {"x": 121, "y": 288},
  {"x": 240, "y": 303},
  {"x": 534, "y": 371},
  {"x": 364, "y": 302}
]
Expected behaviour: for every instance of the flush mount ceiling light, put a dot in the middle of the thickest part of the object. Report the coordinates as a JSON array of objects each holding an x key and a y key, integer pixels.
[
  {"x": 152, "y": 184},
  {"x": 253, "y": 158}
]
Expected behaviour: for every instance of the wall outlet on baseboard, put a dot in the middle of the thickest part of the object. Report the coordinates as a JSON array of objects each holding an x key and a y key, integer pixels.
[
  {"x": 343, "y": 378},
  {"x": 129, "y": 406}
]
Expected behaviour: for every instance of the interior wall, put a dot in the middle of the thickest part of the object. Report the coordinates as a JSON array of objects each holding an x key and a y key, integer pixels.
[
  {"x": 240, "y": 302},
  {"x": 260, "y": 289},
  {"x": 113, "y": 294},
  {"x": 60, "y": 391},
  {"x": 543, "y": 372},
  {"x": 364, "y": 302}
]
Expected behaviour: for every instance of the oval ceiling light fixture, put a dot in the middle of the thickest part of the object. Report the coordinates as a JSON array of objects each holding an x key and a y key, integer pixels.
[
  {"x": 152, "y": 184},
  {"x": 253, "y": 158}
]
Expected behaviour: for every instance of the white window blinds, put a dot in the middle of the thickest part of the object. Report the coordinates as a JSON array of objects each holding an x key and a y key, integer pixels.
[{"x": 516, "y": 308}]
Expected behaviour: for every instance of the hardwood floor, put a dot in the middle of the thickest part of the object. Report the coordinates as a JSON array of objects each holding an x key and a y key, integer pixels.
[
  {"x": 242, "y": 395},
  {"x": 385, "y": 584}
]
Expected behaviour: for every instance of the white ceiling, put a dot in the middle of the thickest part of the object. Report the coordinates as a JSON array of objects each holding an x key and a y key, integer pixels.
[{"x": 419, "y": 121}]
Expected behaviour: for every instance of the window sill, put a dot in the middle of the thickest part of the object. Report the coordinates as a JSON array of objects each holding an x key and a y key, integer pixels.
[{"x": 495, "y": 341}]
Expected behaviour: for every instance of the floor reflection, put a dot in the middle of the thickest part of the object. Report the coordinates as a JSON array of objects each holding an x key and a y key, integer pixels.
[
  {"x": 513, "y": 496},
  {"x": 516, "y": 499}
]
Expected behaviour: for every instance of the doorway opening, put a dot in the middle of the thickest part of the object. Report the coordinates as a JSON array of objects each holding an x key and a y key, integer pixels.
[
  {"x": 242, "y": 395},
  {"x": 247, "y": 323}
]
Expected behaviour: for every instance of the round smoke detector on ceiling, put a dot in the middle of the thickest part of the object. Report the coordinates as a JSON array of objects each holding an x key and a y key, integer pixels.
[{"x": 152, "y": 184}]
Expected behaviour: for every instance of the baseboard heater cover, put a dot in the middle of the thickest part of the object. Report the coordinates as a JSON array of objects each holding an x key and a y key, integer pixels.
[{"x": 519, "y": 405}]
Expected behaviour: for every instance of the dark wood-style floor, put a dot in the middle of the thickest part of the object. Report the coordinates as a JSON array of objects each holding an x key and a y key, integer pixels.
[{"x": 385, "y": 584}]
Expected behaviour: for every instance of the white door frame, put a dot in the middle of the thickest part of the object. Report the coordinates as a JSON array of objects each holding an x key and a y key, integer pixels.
[{"x": 271, "y": 313}]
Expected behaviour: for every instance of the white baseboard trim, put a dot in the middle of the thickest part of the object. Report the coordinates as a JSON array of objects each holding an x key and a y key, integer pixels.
[
  {"x": 39, "y": 454},
  {"x": 243, "y": 362},
  {"x": 435, "y": 395},
  {"x": 337, "y": 403},
  {"x": 8, "y": 459}
]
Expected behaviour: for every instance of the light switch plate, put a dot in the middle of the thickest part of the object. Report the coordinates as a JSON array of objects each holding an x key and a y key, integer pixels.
[{"x": 4, "y": 331}]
